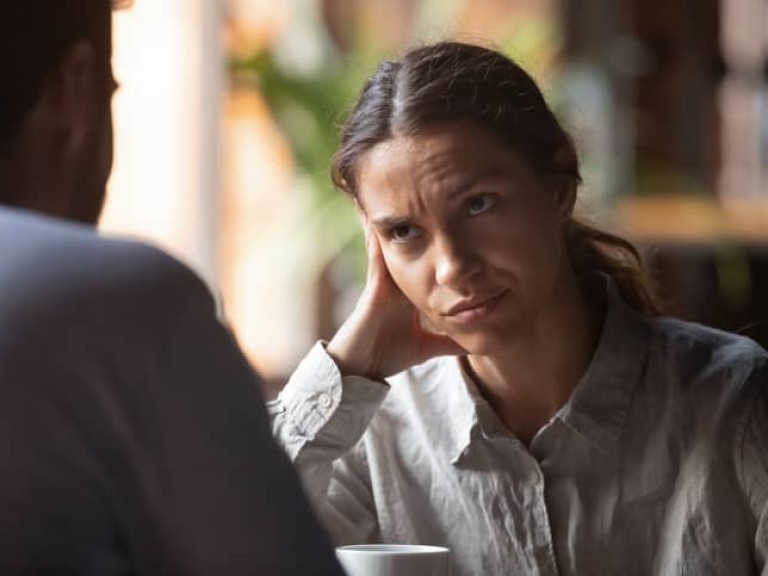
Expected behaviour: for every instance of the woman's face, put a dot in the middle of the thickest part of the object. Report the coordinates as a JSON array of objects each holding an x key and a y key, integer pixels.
[{"x": 470, "y": 233}]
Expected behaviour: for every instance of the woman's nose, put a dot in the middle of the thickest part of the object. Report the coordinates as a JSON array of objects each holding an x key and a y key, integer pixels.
[{"x": 456, "y": 262}]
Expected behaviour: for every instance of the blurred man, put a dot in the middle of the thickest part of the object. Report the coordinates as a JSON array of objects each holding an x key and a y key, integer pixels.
[{"x": 133, "y": 439}]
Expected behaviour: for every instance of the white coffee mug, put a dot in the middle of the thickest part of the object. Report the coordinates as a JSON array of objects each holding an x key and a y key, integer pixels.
[{"x": 394, "y": 560}]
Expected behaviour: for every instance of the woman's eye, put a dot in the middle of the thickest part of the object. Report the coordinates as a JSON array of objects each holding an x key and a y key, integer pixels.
[
  {"x": 480, "y": 204},
  {"x": 403, "y": 232}
]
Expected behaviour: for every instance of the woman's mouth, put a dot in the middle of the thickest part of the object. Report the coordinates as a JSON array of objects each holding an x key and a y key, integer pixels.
[{"x": 472, "y": 310}]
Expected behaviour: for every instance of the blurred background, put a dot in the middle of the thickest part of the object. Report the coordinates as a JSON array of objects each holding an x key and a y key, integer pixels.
[{"x": 228, "y": 114}]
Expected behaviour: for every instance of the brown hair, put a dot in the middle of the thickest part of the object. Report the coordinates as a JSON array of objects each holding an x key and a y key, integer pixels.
[
  {"x": 449, "y": 81},
  {"x": 35, "y": 35}
]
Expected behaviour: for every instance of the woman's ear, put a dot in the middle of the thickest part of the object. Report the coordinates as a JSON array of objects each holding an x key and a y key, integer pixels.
[
  {"x": 565, "y": 194},
  {"x": 564, "y": 183}
]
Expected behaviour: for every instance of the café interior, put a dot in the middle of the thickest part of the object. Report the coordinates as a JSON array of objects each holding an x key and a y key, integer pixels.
[{"x": 232, "y": 110}]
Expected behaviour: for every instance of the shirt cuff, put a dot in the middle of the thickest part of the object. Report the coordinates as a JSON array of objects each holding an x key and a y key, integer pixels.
[{"x": 317, "y": 394}]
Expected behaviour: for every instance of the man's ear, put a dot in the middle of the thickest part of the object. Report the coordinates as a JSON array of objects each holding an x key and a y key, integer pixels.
[{"x": 70, "y": 95}]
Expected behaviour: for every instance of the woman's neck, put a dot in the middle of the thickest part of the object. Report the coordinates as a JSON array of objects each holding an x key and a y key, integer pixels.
[{"x": 530, "y": 381}]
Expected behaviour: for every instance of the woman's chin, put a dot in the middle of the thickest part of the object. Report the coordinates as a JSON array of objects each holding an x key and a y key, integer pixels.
[{"x": 484, "y": 343}]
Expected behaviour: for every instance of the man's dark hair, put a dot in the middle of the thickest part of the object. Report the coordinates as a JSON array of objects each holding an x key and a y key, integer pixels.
[{"x": 35, "y": 35}]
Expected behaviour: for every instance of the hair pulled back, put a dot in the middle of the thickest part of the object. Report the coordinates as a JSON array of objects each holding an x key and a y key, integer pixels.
[{"x": 450, "y": 81}]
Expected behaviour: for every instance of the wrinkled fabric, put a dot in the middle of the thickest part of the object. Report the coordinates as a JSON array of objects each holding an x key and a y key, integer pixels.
[{"x": 657, "y": 464}]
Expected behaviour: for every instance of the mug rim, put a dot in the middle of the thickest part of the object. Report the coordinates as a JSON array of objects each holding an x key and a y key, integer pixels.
[{"x": 401, "y": 549}]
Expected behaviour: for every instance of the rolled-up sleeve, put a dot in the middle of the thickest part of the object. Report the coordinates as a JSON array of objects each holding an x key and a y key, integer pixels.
[{"x": 320, "y": 418}]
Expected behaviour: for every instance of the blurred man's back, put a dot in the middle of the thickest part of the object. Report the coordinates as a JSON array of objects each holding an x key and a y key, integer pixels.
[{"x": 133, "y": 438}]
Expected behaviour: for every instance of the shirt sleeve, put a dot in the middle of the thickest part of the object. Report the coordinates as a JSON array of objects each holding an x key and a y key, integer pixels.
[
  {"x": 753, "y": 467},
  {"x": 320, "y": 418}
]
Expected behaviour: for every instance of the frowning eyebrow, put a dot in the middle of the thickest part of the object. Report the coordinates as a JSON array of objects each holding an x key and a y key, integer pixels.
[
  {"x": 467, "y": 184},
  {"x": 389, "y": 222},
  {"x": 456, "y": 190}
]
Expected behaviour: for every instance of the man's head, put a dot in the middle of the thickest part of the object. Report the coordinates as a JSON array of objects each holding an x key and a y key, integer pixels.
[{"x": 55, "y": 116}]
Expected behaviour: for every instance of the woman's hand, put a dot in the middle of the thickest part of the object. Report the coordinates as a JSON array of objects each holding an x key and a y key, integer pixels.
[{"x": 384, "y": 335}]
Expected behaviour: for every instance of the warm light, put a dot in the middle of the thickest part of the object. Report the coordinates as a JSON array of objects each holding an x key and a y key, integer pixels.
[
  {"x": 168, "y": 61},
  {"x": 257, "y": 279},
  {"x": 254, "y": 24}
]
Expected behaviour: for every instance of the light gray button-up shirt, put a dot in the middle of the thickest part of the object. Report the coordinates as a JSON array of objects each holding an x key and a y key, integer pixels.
[{"x": 658, "y": 463}]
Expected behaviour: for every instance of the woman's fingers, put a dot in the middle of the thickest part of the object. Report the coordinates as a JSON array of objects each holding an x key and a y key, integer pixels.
[
  {"x": 383, "y": 335},
  {"x": 373, "y": 251},
  {"x": 371, "y": 245},
  {"x": 376, "y": 264},
  {"x": 379, "y": 283}
]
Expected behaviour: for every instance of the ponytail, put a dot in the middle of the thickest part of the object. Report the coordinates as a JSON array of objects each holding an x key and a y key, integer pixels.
[{"x": 594, "y": 250}]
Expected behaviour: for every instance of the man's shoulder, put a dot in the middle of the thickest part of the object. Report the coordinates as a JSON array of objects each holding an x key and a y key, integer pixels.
[
  {"x": 61, "y": 261},
  {"x": 65, "y": 243}
]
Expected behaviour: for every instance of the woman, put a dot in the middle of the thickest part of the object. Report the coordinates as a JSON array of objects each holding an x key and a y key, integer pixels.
[{"x": 505, "y": 386}]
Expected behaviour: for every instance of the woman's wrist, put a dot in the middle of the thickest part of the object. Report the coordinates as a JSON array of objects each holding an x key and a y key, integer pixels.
[{"x": 351, "y": 361}]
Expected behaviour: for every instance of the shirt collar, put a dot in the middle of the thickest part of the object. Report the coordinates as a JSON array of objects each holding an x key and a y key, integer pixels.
[
  {"x": 463, "y": 402},
  {"x": 470, "y": 414},
  {"x": 599, "y": 404}
]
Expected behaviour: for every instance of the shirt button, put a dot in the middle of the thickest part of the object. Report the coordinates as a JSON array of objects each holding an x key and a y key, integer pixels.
[{"x": 324, "y": 400}]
